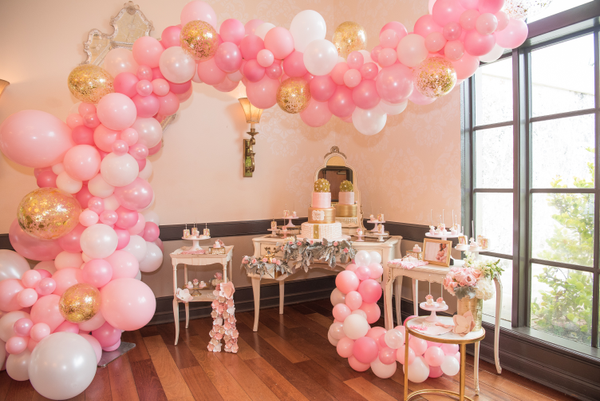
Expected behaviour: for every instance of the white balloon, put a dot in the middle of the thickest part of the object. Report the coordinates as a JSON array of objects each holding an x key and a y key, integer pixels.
[
  {"x": 136, "y": 247},
  {"x": 147, "y": 171},
  {"x": 100, "y": 188},
  {"x": 450, "y": 365},
  {"x": 336, "y": 331},
  {"x": 332, "y": 340},
  {"x": 307, "y": 25},
  {"x": 7, "y": 322},
  {"x": 418, "y": 371},
  {"x": 356, "y": 326},
  {"x": 119, "y": 170},
  {"x": 47, "y": 265},
  {"x": 138, "y": 276},
  {"x": 320, "y": 56},
  {"x": 68, "y": 184},
  {"x": 17, "y": 366},
  {"x": 431, "y": 3},
  {"x": 262, "y": 29},
  {"x": 336, "y": 297},
  {"x": 360, "y": 312},
  {"x": 151, "y": 216},
  {"x": 12, "y": 265},
  {"x": 58, "y": 168},
  {"x": 493, "y": 55},
  {"x": 149, "y": 131},
  {"x": 67, "y": 259},
  {"x": 393, "y": 109},
  {"x": 176, "y": 65},
  {"x": 62, "y": 366},
  {"x": 382, "y": 370},
  {"x": 369, "y": 122},
  {"x": 120, "y": 60},
  {"x": 99, "y": 241},
  {"x": 362, "y": 258},
  {"x": 153, "y": 259}
]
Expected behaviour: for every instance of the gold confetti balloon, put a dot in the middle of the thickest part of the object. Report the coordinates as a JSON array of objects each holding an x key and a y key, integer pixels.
[
  {"x": 199, "y": 39},
  {"x": 349, "y": 37},
  {"x": 89, "y": 83},
  {"x": 48, "y": 213},
  {"x": 79, "y": 303},
  {"x": 293, "y": 95},
  {"x": 435, "y": 77}
]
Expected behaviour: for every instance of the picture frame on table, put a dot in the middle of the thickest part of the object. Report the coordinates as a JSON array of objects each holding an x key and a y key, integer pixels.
[{"x": 437, "y": 251}]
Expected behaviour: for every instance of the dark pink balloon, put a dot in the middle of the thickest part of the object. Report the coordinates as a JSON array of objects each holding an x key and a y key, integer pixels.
[
  {"x": 228, "y": 57},
  {"x": 322, "y": 88},
  {"x": 232, "y": 30},
  {"x": 253, "y": 71},
  {"x": 180, "y": 88},
  {"x": 370, "y": 290},
  {"x": 30, "y": 247},
  {"x": 151, "y": 232},
  {"x": 477, "y": 44},
  {"x": 127, "y": 218},
  {"x": 171, "y": 36},
  {"x": 46, "y": 179},
  {"x": 146, "y": 106},
  {"x": 395, "y": 83},
  {"x": 123, "y": 238},
  {"x": 125, "y": 83},
  {"x": 250, "y": 46},
  {"x": 293, "y": 65},
  {"x": 340, "y": 103},
  {"x": 83, "y": 135},
  {"x": 365, "y": 95},
  {"x": 365, "y": 350},
  {"x": 70, "y": 241}
]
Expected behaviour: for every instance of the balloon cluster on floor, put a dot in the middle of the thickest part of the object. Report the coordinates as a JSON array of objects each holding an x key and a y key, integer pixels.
[{"x": 355, "y": 308}]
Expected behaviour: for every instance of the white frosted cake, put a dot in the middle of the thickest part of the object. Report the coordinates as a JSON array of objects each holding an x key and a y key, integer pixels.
[
  {"x": 321, "y": 216},
  {"x": 346, "y": 211}
]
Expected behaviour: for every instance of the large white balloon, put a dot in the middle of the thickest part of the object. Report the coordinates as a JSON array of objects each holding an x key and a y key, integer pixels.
[
  {"x": 375, "y": 257},
  {"x": 450, "y": 365},
  {"x": 17, "y": 366},
  {"x": 62, "y": 366},
  {"x": 99, "y": 241},
  {"x": 176, "y": 65},
  {"x": 356, "y": 326},
  {"x": 149, "y": 131},
  {"x": 418, "y": 371},
  {"x": 307, "y": 25},
  {"x": 369, "y": 122},
  {"x": 120, "y": 60},
  {"x": 153, "y": 258},
  {"x": 136, "y": 247},
  {"x": 362, "y": 258},
  {"x": 382, "y": 370},
  {"x": 119, "y": 170},
  {"x": 320, "y": 56},
  {"x": 12, "y": 265}
]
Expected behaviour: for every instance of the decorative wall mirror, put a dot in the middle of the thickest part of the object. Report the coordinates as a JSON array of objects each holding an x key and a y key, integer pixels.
[{"x": 348, "y": 207}]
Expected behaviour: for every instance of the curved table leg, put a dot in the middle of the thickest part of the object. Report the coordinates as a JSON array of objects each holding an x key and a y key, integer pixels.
[
  {"x": 398, "y": 295},
  {"x": 476, "y": 367},
  {"x": 388, "y": 317},
  {"x": 256, "y": 292},
  {"x": 497, "y": 328},
  {"x": 176, "y": 315},
  {"x": 281, "y": 296}
]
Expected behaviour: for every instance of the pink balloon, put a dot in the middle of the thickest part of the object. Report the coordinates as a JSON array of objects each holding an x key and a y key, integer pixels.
[
  {"x": 27, "y": 297},
  {"x": 417, "y": 98},
  {"x": 426, "y": 25},
  {"x": 232, "y": 30},
  {"x": 347, "y": 281},
  {"x": 197, "y": 10},
  {"x": 15, "y": 345},
  {"x": 389, "y": 39},
  {"x": 446, "y": 11},
  {"x": 365, "y": 95},
  {"x": 397, "y": 27},
  {"x": 502, "y": 19},
  {"x": 107, "y": 335},
  {"x": 512, "y": 36},
  {"x": 34, "y": 138},
  {"x": 452, "y": 31},
  {"x": 358, "y": 366},
  {"x": 41, "y": 268},
  {"x": 293, "y": 65},
  {"x": 9, "y": 291},
  {"x": 486, "y": 24},
  {"x": 127, "y": 217},
  {"x": 466, "y": 66},
  {"x": 388, "y": 57},
  {"x": 394, "y": 84},
  {"x": 74, "y": 120},
  {"x": 376, "y": 332},
  {"x": 250, "y": 46},
  {"x": 39, "y": 331},
  {"x": 370, "y": 290},
  {"x": 46, "y": 179},
  {"x": 123, "y": 238},
  {"x": 97, "y": 272},
  {"x": 146, "y": 106},
  {"x": 355, "y": 60},
  {"x": 454, "y": 50},
  {"x": 46, "y": 286},
  {"x": 67, "y": 327},
  {"x": 387, "y": 355},
  {"x": 345, "y": 347},
  {"x": 116, "y": 111},
  {"x": 469, "y": 4},
  {"x": 127, "y": 304},
  {"x": 145, "y": 73},
  {"x": 263, "y": 94},
  {"x": 95, "y": 345},
  {"x": 31, "y": 278},
  {"x": 124, "y": 264},
  {"x": 468, "y": 19},
  {"x": 109, "y": 217},
  {"x": 418, "y": 345},
  {"x": 91, "y": 120},
  {"x": 251, "y": 26},
  {"x": 169, "y": 104},
  {"x": 210, "y": 73},
  {"x": 316, "y": 114},
  {"x": 112, "y": 347},
  {"x": 46, "y": 310},
  {"x": 322, "y": 88},
  {"x": 86, "y": 108},
  {"x": 105, "y": 137},
  {"x": 449, "y": 349},
  {"x": 65, "y": 278},
  {"x": 160, "y": 87},
  {"x": 280, "y": 42},
  {"x": 477, "y": 44},
  {"x": 362, "y": 272},
  {"x": 94, "y": 323},
  {"x": 83, "y": 135},
  {"x": 146, "y": 51},
  {"x": 369, "y": 70},
  {"x": 119, "y": 148},
  {"x": 253, "y": 71},
  {"x": 171, "y": 36},
  {"x": 228, "y": 57},
  {"x": 70, "y": 241},
  {"x": 353, "y": 300},
  {"x": 490, "y": 6},
  {"x": 400, "y": 354},
  {"x": 82, "y": 162},
  {"x": 265, "y": 58},
  {"x": 376, "y": 270},
  {"x": 434, "y": 356},
  {"x": 135, "y": 196},
  {"x": 23, "y": 326},
  {"x": 365, "y": 350},
  {"x": 375, "y": 53},
  {"x": 435, "y": 372},
  {"x": 352, "y": 78},
  {"x": 341, "y": 311},
  {"x": 126, "y": 84},
  {"x": 151, "y": 232},
  {"x": 88, "y": 218},
  {"x": 30, "y": 247},
  {"x": 341, "y": 103},
  {"x": 338, "y": 72},
  {"x": 372, "y": 310}
]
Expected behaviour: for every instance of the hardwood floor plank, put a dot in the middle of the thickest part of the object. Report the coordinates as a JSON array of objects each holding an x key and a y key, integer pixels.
[
  {"x": 149, "y": 387},
  {"x": 149, "y": 331},
  {"x": 325, "y": 379},
  {"x": 5, "y": 381},
  {"x": 368, "y": 390},
  {"x": 278, "y": 384},
  {"x": 21, "y": 391},
  {"x": 308, "y": 323},
  {"x": 246, "y": 352},
  {"x": 168, "y": 373},
  {"x": 246, "y": 377},
  {"x": 139, "y": 353},
  {"x": 200, "y": 385},
  {"x": 122, "y": 382},
  {"x": 100, "y": 388},
  {"x": 220, "y": 377},
  {"x": 322, "y": 320}
]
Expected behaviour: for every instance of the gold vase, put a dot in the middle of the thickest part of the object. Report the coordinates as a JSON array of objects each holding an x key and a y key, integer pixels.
[{"x": 474, "y": 305}]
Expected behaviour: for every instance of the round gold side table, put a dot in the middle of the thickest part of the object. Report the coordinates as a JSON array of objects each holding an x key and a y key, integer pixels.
[{"x": 447, "y": 338}]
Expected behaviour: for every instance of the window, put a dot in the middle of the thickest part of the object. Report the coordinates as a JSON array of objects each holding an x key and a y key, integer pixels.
[{"x": 531, "y": 129}]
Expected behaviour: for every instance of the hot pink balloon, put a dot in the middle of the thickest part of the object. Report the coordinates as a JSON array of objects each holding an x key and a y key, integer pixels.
[
  {"x": 397, "y": 27},
  {"x": 280, "y": 42},
  {"x": 316, "y": 114},
  {"x": 30, "y": 247},
  {"x": 197, "y": 10},
  {"x": 253, "y": 71},
  {"x": 263, "y": 94},
  {"x": 97, "y": 272},
  {"x": 513, "y": 35},
  {"x": 151, "y": 232},
  {"x": 146, "y": 51},
  {"x": 293, "y": 65},
  {"x": 347, "y": 281},
  {"x": 179, "y": 88},
  {"x": 116, "y": 111},
  {"x": 426, "y": 25},
  {"x": 365, "y": 350},
  {"x": 477, "y": 44},
  {"x": 322, "y": 88},
  {"x": 171, "y": 36},
  {"x": 446, "y": 11},
  {"x": 106, "y": 335},
  {"x": 127, "y": 304},
  {"x": 365, "y": 95},
  {"x": 228, "y": 57},
  {"x": 394, "y": 84},
  {"x": 250, "y": 46},
  {"x": 34, "y": 138},
  {"x": 46, "y": 310},
  {"x": 135, "y": 196}
]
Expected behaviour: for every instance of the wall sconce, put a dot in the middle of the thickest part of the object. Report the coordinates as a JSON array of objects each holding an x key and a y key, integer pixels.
[
  {"x": 3, "y": 85},
  {"x": 252, "y": 114}
]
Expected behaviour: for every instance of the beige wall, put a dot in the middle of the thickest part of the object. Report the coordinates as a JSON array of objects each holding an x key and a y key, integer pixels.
[{"x": 411, "y": 167}]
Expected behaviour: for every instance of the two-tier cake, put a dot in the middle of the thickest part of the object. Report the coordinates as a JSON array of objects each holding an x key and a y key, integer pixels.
[{"x": 345, "y": 209}]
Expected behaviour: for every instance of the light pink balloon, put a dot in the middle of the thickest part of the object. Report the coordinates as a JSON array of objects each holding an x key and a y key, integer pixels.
[
  {"x": 352, "y": 78},
  {"x": 341, "y": 104},
  {"x": 387, "y": 355},
  {"x": 9, "y": 291},
  {"x": 369, "y": 70},
  {"x": 67, "y": 327},
  {"x": 316, "y": 114},
  {"x": 341, "y": 312},
  {"x": 30, "y": 247},
  {"x": 15, "y": 345},
  {"x": 417, "y": 98},
  {"x": 358, "y": 366},
  {"x": 106, "y": 335},
  {"x": 160, "y": 87},
  {"x": 418, "y": 345},
  {"x": 94, "y": 323},
  {"x": 97, "y": 272},
  {"x": 151, "y": 232},
  {"x": 210, "y": 73},
  {"x": 490, "y": 6},
  {"x": 376, "y": 270},
  {"x": 116, "y": 111},
  {"x": 401, "y": 353},
  {"x": 514, "y": 35},
  {"x": 389, "y": 39},
  {"x": 263, "y": 94},
  {"x": 372, "y": 310},
  {"x": 251, "y": 26},
  {"x": 452, "y": 31},
  {"x": 135, "y": 196},
  {"x": 477, "y": 44},
  {"x": 338, "y": 72},
  {"x": 394, "y": 84},
  {"x": 466, "y": 66},
  {"x": 146, "y": 51},
  {"x": 169, "y": 104},
  {"x": 446, "y": 11},
  {"x": 344, "y": 347},
  {"x": 355, "y": 60},
  {"x": 280, "y": 42},
  {"x": 105, "y": 137},
  {"x": 347, "y": 281},
  {"x": 434, "y": 356},
  {"x": 27, "y": 297},
  {"x": 127, "y": 304},
  {"x": 31, "y": 278},
  {"x": 176, "y": 65},
  {"x": 435, "y": 372},
  {"x": 139, "y": 226},
  {"x": 23, "y": 326},
  {"x": 454, "y": 50},
  {"x": 74, "y": 120},
  {"x": 95, "y": 345},
  {"x": 46, "y": 310},
  {"x": 388, "y": 57},
  {"x": 412, "y": 50},
  {"x": 124, "y": 264},
  {"x": 39, "y": 331},
  {"x": 425, "y": 25},
  {"x": 232, "y": 30},
  {"x": 502, "y": 19},
  {"x": 149, "y": 131},
  {"x": 486, "y": 24},
  {"x": 450, "y": 349},
  {"x": 228, "y": 57},
  {"x": 397, "y": 27},
  {"x": 265, "y": 58},
  {"x": 198, "y": 10},
  {"x": 66, "y": 278},
  {"x": 144, "y": 73},
  {"x": 34, "y": 138},
  {"x": 353, "y": 300},
  {"x": 82, "y": 162},
  {"x": 46, "y": 286},
  {"x": 362, "y": 272}
]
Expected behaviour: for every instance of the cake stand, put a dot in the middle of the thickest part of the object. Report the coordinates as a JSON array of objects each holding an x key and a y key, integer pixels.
[
  {"x": 273, "y": 232},
  {"x": 290, "y": 218},
  {"x": 436, "y": 307},
  {"x": 195, "y": 241},
  {"x": 443, "y": 235},
  {"x": 377, "y": 223}
]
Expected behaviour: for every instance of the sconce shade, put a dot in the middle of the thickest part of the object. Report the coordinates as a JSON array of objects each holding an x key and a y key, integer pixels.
[
  {"x": 252, "y": 112},
  {"x": 4, "y": 84}
]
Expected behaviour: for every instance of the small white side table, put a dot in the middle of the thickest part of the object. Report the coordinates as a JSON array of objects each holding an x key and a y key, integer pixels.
[{"x": 206, "y": 295}]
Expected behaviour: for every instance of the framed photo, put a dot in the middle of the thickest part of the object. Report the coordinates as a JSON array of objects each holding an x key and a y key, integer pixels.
[{"x": 437, "y": 251}]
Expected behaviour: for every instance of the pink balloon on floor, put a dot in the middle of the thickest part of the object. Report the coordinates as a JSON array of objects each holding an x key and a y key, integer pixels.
[
  {"x": 95, "y": 345},
  {"x": 106, "y": 335},
  {"x": 357, "y": 365},
  {"x": 347, "y": 281},
  {"x": 365, "y": 350},
  {"x": 370, "y": 290},
  {"x": 127, "y": 304}
]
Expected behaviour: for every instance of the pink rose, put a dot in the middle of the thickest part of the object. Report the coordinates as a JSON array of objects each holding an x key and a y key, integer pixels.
[
  {"x": 264, "y": 260},
  {"x": 335, "y": 243},
  {"x": 298, "y": 243},
  {"x": 346, "y": 250},
  {"x": 245, "y": 261},
  {"x": 312, "y": 242},
  {"x": 278, "y": 263},
  {"x": 253, "y": 261},
  {"x": 219, "y": 276}
]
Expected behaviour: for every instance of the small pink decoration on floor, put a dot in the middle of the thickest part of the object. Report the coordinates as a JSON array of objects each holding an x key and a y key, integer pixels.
[{"x": 224, "y": 322}]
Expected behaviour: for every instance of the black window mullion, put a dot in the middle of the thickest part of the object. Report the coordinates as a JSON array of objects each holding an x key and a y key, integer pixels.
[
  {"x": 596, "y": 284},
  {"x": 468, "y": 147}
]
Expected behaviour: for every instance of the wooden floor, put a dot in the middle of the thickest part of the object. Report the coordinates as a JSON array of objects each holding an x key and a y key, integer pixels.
[{"x": 289, "y": 358}]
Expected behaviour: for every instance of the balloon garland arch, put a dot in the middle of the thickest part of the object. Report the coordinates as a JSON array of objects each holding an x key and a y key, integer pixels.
[{"x": 87, "y": 224}]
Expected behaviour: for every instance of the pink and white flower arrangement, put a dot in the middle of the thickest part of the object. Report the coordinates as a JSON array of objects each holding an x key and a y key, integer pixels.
[{"x": 474, "y": 279}]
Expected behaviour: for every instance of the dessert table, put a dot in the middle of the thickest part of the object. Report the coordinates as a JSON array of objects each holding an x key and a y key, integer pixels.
[
  {"x": 206, "y": 295},
  {"x": 388, "y": 249}
]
